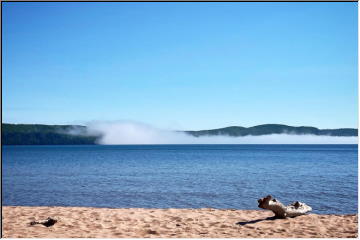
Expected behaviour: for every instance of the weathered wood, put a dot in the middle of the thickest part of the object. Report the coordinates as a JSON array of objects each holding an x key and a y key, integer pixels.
[{"x": 282, "y": 211}]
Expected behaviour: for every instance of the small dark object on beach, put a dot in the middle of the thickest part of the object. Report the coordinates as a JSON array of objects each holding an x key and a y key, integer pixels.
[
  {"x": 47, "y": 222},
  {"x": 151, "y": 232}
]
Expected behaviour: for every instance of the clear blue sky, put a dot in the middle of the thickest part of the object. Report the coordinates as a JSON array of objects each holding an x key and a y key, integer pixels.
[{"x": 181, "y": 65}]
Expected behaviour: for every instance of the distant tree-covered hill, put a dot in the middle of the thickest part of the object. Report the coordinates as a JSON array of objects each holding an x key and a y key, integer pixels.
[
  {"x": 37, "y": 134},
  {"x": 274, "y": 129}
]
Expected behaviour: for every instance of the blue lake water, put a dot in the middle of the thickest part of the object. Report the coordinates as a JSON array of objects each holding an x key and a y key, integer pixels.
[{"x": 181, "y": 176}]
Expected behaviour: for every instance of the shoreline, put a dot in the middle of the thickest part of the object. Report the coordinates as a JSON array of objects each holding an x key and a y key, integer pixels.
[
  {"x": 94, "y": 222},
  {"x": 146, "y": 208}
]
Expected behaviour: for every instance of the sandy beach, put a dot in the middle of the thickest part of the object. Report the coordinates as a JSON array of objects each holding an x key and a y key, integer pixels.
[{"x": 81, "y": 222}]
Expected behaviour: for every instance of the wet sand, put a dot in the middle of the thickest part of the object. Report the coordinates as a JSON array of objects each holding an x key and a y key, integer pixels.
[{"x": 81, "y": 222}]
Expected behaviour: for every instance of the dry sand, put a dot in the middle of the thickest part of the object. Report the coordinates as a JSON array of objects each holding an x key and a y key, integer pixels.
[{"x": 78, "y": 222}]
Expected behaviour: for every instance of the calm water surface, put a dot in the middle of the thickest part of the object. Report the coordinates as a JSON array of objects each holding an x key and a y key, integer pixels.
[{"x": 181, "y": 176}]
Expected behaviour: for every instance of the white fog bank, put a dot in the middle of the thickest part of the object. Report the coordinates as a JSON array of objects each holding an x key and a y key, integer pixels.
[{"x": 128, "y": 132}]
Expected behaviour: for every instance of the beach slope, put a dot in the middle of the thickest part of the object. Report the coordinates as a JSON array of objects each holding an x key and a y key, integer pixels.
[{"x": 81, "y": 222}]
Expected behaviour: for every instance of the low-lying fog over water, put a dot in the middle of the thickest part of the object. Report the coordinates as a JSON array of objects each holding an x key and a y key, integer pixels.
[{"x": 130, "y": 132}]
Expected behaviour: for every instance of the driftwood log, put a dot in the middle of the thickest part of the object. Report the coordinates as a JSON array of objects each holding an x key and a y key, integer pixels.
[{"x": 282, "y": 211}]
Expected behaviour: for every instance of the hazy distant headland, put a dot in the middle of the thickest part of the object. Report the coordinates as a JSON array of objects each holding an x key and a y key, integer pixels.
[
  {"x": 267, "y": 129},
  {"x": 38, "y": 134}
]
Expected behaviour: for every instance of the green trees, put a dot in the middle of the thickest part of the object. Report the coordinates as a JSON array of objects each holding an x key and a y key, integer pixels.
[
  {"x": 36, "y": 134},
  {"x": 266, "y": 129}
]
